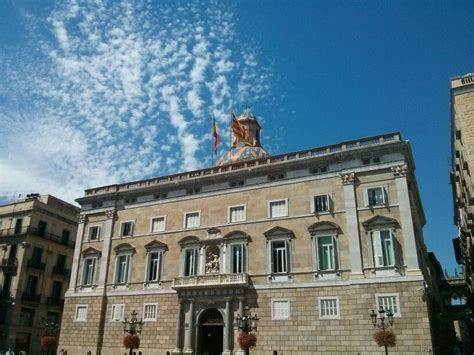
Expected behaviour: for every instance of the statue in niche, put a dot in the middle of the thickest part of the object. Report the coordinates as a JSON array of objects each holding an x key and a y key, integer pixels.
[{"x": 212, "y": 265}]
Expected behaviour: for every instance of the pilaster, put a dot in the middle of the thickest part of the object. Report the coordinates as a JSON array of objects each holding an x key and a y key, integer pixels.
[
  {"x": 406, "y": 220},
  {"x": 189, "y": 327},
  {"x": 77, "y": 253},
  {"x": 107, "y": 237},
  {"x": 179, "y": 330},
  {"x": 352, "y": 220}
]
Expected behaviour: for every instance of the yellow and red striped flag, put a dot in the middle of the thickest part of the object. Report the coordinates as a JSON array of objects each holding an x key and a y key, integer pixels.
[{"x": 240, "y": 130}]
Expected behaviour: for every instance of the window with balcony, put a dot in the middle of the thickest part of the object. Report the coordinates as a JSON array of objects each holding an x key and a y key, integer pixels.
[
  {"x": 376, "y": 196},
  {"x": 36, "y": 258},
  {"x": 158, "y": 224},
  {"x": 123, "y": 259},
  {"x": 18, "y": 225},
  {"x": 31, "y": 285},
  {"x": 238, "y": 258},
  {"x": 279, "y": 253},
  {"x": 154, "y": 262},
  {"x": 56, "y": 292},
  {"x": 42, "y": 225},
  {"x": 237, "y": 214},
  {"x": 321, "y": 203},
  {"x": 384, "y": 249},
  {"x": 190, "y": 261},
  {"x": 27, "y": 317},
  {"x": 94, "y": 233},
  {"x": 126, "y": 229},
  {"x": 65, "y": 236},
  {"x": 278, "y": 208},
  {"x": 192, "y": 219}
]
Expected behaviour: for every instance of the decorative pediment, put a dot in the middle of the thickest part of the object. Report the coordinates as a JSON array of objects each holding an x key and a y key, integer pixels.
[
  {"x": 154, "y": 244},
  {"x": 279, "y": 232},
  {"x": 324, "y": 226},
  {"x": 190, "y": 239},
  {"x": 124, "y": 247},
  {"x": 377, "y": 221},
  {"x": 237, "y": 235},
  {"x": 213, "y": 233},
  {"x": 91, "y": 251}
]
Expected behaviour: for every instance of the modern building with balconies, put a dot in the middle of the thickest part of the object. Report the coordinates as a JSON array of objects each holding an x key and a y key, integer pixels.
[
  {"x": 312, "y": 241},
  {"x": 37, "y": 238}
]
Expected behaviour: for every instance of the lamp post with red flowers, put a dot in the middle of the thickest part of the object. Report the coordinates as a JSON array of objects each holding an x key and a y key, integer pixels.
[
  {"x": 247, "y": 322},
  {"x": 383, "y": 336},
  {"x": 132, "y": 328}
]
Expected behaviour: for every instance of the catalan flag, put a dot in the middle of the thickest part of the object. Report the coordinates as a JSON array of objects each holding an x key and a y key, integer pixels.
[
  {"x": 239, "y": 130},
  {"x": 215, "y": 134}
]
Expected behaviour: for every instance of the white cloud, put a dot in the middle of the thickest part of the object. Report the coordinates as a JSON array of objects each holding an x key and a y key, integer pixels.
[{"x": 119, "y": 91}]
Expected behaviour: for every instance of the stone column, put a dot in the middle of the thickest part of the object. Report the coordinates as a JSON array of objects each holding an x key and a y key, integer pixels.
[
  {"x": 241, "y": 311},
  {"x": 20, "y": 255},
  {"x": 77, "y": 254},
  {"x": 409, "y": 243},
  {"x": 107, "y": 242},
  {"x": 179, "y": 329},
  {"x": 188, "y": 337},
  {"x": 352, "y": 223},
  {"x": 227, "y": 327}
]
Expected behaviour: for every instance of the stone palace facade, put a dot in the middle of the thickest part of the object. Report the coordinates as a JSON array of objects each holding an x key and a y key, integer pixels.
[{"x": 312, "y": 241}]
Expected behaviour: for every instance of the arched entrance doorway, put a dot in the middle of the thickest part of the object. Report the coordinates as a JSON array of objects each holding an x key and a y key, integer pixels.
[{"x": 210, "y": 333}]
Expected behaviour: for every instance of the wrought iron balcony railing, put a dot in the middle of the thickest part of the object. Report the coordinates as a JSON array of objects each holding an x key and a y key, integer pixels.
[
  {"x": 62, "y": 271},
  {"x": 34, "y": 264},
  {"x": 55, "y": 301},
  {"x": 214, "y": 280},
  {"x": 9, "y": 265},
  {"x": 30, "y": 297},
  {"x": 37, "y": 232}
]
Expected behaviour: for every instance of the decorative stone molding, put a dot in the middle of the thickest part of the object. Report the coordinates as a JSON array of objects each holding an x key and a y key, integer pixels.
[
  {"x": 400, "y": 170},
  {"x": 348, "y": 179},
  {"x": 82, "y": 218},
  {"x": 110, "y": 213}
]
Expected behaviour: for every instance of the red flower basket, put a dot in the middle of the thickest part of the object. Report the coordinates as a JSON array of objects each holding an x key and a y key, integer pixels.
[
  {"x": 247, "y": 340},
  {"x": 131, "y": 341},
  {"x": 385, "y": 338},
  {"x": 48, "y": 341}
]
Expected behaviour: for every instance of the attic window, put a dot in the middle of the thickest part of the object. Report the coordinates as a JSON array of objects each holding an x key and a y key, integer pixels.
[
  {"x": 160, "y": 196},
  {"x": 276, "y": 176},
  {"x": 319, "y": 170},
  {"x": 237, "y": 183},
  {"x": 96, "y": 204},
  {"x": 130, "y": 200},
  {"x": 194, "y": 190}
]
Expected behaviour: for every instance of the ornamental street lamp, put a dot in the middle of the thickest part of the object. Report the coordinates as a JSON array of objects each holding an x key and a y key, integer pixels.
[
  {"x": 383, "y": 322},
  {"x": 247, "y": 322},
  {"x": 132, "y": 327}
]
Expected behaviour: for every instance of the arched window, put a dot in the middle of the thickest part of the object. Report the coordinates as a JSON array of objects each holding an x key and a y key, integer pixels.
[
  {"x": 89, "y": 267},
  {"x": 236, "y": 251},
  {"x": 123, "y": 260},
  {"x": 155, "y": 251},
  {"x": 383, "y": 247},
  {"x": 279, "y": 254},
  {"x": 325, "y": 240},
  {"x": 190, "y": 255}
]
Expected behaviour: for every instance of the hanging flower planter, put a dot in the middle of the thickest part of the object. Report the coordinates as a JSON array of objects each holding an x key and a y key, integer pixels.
[
  {"x": 131, "y": 341},
  {"x": 247, "y": 340},
  {"x": 47, "y": 342},
  {"x": 385, "y": 338}
]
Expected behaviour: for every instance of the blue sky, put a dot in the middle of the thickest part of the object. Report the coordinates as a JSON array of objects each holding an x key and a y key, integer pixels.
[{"x": 94, "y": 93}]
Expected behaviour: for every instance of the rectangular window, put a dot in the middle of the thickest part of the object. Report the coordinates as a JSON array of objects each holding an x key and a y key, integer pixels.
[
  {"x": 190, "y": 262},
  {"x": 37, "y": 256},
  {"x": 280, "y": 259},
  {"x": 56, "y": 290},
  {"x": 121, "y": 271},
  {"x": 237, "y": 214},
  {"x": 376, "y": 196},
  {"x": 382, "y": 243},
  {"x": 61, "y": 262},
  {"x": 126, "y": 229},
  {"x": 192, "y": 220},
  {"x": 31, "y": 285},
  {"x": 94, "y": 232},
  {"x": 18, "y": 225},
  {"x": 42, "y": 228},
  {"x": 154, "y": 266},
  {"x": 280, "y": 309},
  {"x": 238, "y": 261},
  {"x": 65, "y": 236},
  {"x": 149, "y": 312},
  {"x": 326, "y": 252},
  {"x": 81, "y": 313},
  {"x": 158, "y": 224},
  {"x": 389, "y": 302},
  {"x": 321, "y": 203},
  {"x": 329, "y": 307},
  {"x": 278, "y": 208},
  {"x": 118, "y": 311},
  {"x": 88, "y": 271}
]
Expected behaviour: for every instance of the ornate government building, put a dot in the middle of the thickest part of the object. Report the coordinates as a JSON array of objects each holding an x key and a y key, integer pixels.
[{"x": 312, "y": 241}]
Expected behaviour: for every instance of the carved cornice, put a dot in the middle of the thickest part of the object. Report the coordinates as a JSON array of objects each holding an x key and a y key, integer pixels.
[
  {"x": 400, "y": 170},
  {"x": 348, "y": 179}
]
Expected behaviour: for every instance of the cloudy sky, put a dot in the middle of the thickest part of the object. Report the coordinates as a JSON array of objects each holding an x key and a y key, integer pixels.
[{"x": 99, "y": 92}]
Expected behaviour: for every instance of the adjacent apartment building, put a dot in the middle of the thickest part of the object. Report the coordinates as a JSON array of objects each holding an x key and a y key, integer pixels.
[
  {"x": 37, "y": 244},
  {"x": 312, "y": 241},
  {"x": 462, "y": 180}
]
